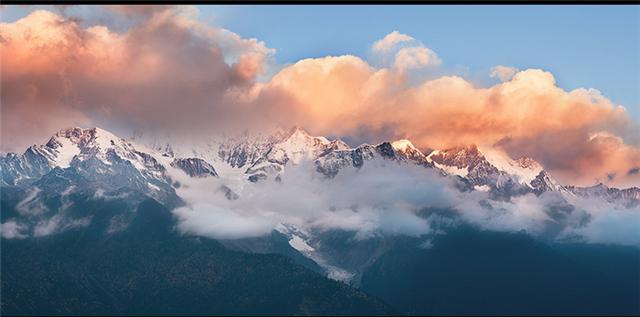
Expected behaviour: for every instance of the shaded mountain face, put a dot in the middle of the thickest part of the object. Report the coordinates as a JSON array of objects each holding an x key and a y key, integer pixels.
[
  {"x": 149, "y": 269},
  {"x": 88, "y": 202},
  {"x": 473, "y": 272}
]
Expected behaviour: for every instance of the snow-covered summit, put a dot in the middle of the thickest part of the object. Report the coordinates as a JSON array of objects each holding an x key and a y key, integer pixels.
[
  {"x": 89, "y": 150},
  {"x": 403, "y": 145},
  {"x": 489, "y": 166},
  {"x": 524, "y": 170},
  {"x": 259, "y": 156},
  {"x": 78, "y": 143},
  {"x": 299, "y": 145}
]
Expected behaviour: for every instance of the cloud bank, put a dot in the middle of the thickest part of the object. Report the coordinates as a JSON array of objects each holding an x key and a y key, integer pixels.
[
  {"x": 579, "y": 136},
  {"x": 167, "y": 69},
  {"x": 384, "y": 198},
  {"x": 376, "y": 199}
]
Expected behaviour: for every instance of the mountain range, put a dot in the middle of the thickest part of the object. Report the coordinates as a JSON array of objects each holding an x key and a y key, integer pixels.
[
  {"x": 89, "y": 201},
  {"x": 99, "y": 154}
]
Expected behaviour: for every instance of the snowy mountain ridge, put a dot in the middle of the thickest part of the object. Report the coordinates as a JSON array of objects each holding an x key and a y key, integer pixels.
[
  {"x": 104, "y": 166},
  {"x": 258, "y": 157}
]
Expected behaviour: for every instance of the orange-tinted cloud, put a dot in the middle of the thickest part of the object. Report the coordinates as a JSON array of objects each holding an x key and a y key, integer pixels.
[
  {"x": 171, "y": 71},
  {"x": 528, "y": 115},
  {"x": 168, "y": 69}
]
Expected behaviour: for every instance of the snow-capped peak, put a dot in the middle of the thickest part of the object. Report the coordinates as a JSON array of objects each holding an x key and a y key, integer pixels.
[
  {"x": 457, "y": 161},
  {"x": 61, "y": 148},
  {"x": 338, "y": 145},
  {"x": 69, "y": 143},
  {"x": 493, "y": 167},
  {"x": 524, "y": 169},
  {"x": 403, "y": 145},
  {"x": 105, "y": 139},
  {"x": 85, "y": 138},
  {"x": 299, "y": 145},
  {"x": 300, "y": 136},
  {"x": 258, "y": 156},
  {"x": 82, "y": 144}
]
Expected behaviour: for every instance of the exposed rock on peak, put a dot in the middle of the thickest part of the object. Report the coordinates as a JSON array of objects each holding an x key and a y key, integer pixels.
[{"x": 195, "y": 167}]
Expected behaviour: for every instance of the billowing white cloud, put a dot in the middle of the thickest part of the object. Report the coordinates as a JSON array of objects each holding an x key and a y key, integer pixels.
[
  {"x": 403, "y": 52},
  {"x": 415, "y": 57},
  {"x": 390, "y": 40},
  {"x": 524, "y": 213},
  {"x": 528, "y": 115},
  {"x": 166, "y": 69},
  {"x": 609, "y": 224},
  {"x": 377, "y": 199},
  {"x": 384, "y": 198}
]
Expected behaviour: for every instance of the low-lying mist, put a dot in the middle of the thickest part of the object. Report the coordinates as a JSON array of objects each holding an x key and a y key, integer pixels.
[{"x": 385, "y": 198}]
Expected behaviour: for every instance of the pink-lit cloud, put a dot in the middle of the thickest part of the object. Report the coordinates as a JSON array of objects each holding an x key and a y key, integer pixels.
[
  {"x": 171, "y": 71},
  {"x": 528, "y": 115}
]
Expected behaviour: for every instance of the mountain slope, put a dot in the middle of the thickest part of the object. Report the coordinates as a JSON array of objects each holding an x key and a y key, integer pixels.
[
  {"x": 474, "y": 272},
  {"x": 87, "y": 227},
  {"x": 149, "y": 269}
]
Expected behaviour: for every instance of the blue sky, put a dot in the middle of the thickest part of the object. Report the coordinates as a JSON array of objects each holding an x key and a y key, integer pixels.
[{"x": 583, "y": 46}]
